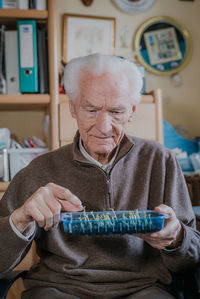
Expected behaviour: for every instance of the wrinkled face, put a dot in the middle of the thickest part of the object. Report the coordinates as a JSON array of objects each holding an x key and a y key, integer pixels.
[{"x": 102, "y": 110}]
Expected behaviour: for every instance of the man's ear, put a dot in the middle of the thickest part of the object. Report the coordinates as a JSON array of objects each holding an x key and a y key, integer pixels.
[
  {"x": 72, "y": 109},
  {"x": 131, "y": 116}
]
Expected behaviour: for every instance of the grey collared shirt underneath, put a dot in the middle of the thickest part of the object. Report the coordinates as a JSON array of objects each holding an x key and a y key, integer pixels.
[{"x": 106, "y": 167}]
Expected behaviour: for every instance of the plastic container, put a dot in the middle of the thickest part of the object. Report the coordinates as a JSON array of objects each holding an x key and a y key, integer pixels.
[
  {"x": 112, "y": 222},
  {"x": 20, "y": 158},
  {"x": 4, "y": 165},
  {"x": 186, "y": 164},
  {"x": 173, "y": 140}
]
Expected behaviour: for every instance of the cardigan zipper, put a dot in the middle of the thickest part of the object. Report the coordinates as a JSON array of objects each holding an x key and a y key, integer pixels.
[
  {"x": 108, "y": 184},
  {"x": 109, "y": 190},
  {"x": 107, "y": 177}
]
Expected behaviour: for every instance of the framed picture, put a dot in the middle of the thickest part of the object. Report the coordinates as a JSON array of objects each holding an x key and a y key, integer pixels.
[
  {"x": 163, "y": 45},
  {"x": 84, "y": 35}
]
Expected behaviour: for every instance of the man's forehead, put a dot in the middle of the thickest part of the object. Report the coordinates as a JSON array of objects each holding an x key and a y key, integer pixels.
[
  {"x": 104, "y": 90},
  {"x": 110, "y": 84}
]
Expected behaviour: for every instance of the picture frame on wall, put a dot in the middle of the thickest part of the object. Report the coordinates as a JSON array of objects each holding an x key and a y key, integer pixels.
[
  {"x": 163, "y": 45},
  {"x": 84, "y": 35}
]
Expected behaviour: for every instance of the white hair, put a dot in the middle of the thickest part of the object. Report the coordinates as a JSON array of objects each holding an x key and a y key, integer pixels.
[{"x": 98, "y": 64}]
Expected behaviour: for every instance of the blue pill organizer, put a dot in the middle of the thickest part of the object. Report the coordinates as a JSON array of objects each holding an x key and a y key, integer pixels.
[{"x": 112, "y": 222}]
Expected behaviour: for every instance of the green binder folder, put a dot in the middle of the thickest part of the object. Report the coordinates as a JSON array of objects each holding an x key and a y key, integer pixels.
[{"x": 28, "y": 62}]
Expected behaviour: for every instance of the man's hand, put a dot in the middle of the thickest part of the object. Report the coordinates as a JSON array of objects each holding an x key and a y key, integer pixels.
[
  {"x": 44, "y": 206},
  {"x": 170, "y": 236}
]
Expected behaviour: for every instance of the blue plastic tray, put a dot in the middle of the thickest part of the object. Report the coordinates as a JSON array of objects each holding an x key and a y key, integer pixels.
[{"x": 112, "y": 222}]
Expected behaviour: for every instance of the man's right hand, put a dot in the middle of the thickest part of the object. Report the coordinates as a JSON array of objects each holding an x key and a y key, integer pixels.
[{"x": 44, "y": 206}]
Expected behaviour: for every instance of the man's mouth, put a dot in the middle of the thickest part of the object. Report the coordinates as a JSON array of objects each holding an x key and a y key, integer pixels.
[{"x": 103, "y": 137}]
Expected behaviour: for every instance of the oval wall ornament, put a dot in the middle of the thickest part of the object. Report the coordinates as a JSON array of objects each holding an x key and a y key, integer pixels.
[
  {"x": 131, "y": 6},
  {"x": 163, "y": 44}
]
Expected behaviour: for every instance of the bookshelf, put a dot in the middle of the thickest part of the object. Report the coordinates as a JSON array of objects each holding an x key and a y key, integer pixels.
[{"x": 36, "y": 102}]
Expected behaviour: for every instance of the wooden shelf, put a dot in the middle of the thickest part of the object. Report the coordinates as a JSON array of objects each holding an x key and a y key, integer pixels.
[
  {"x": 23, "y": 13},
  {"x": 28, "y": 99},
  {"x": 4, "y": 186},
  {"x": 24, "y": 102}
]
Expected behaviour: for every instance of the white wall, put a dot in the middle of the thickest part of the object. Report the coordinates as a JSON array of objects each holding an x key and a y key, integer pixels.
[{"x": 181, "y": 105}]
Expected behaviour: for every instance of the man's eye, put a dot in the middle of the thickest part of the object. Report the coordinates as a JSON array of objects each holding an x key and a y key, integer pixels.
[{"x": 116, "y": 112}]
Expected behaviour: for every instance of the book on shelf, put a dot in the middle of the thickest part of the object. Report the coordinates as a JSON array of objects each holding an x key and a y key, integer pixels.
[
  {"x": 28, "y": 60},
  {"x": 38, "y": 4},
  {"x": 2, "y": 61},
  {"x": 43, "y": 77},
  {"x": 11, "y": 62},
  {"x": 9, "y": 4},
  {"x": 23, "y": 4}
]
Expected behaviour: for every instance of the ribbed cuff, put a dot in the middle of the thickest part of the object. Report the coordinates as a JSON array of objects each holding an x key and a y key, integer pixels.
[{"x": 27, "y": 234}]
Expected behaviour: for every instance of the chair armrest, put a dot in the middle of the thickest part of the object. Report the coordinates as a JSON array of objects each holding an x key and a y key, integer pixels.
[{"x": 7, "y": 281}]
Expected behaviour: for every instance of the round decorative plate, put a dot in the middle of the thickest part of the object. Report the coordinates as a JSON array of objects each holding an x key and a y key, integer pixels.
[
  {"x": 163, "y": 44},
  {"x": 131, "y": 6}
]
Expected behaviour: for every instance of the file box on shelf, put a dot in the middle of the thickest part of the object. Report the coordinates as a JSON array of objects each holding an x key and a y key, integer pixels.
[
  {"x": 4, "y": 165},
  {"x": 20, "y": 158}
]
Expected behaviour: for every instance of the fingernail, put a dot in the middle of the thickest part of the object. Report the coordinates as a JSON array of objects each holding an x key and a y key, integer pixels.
[
  {"x": 154, "y": 235},
  {"x": 79, "y": 205}
]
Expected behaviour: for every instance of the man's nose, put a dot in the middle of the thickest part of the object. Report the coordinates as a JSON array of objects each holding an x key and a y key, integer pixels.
[{"x": 104, "y": 122}]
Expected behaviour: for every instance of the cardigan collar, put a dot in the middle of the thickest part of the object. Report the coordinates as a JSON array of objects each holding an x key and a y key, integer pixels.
[{"x": 125, "y": 146}]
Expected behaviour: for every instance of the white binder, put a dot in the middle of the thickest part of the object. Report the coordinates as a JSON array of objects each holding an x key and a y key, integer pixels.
[
  {"x": 40, "y": 4},
  {"x": 11, "y": 62},
  {"x": 22, "y": 4},
  {"x": 9, "y": 3}
]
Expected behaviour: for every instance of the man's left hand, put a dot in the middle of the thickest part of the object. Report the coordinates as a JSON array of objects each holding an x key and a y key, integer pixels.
[{"x": 170, "y": 236}]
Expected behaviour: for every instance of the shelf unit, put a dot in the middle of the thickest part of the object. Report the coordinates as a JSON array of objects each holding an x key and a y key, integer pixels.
[{"x": 31, "y": 102}]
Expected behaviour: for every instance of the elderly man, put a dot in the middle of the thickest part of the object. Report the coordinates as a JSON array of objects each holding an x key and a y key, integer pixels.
[{"x": 102, "y": 169}]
